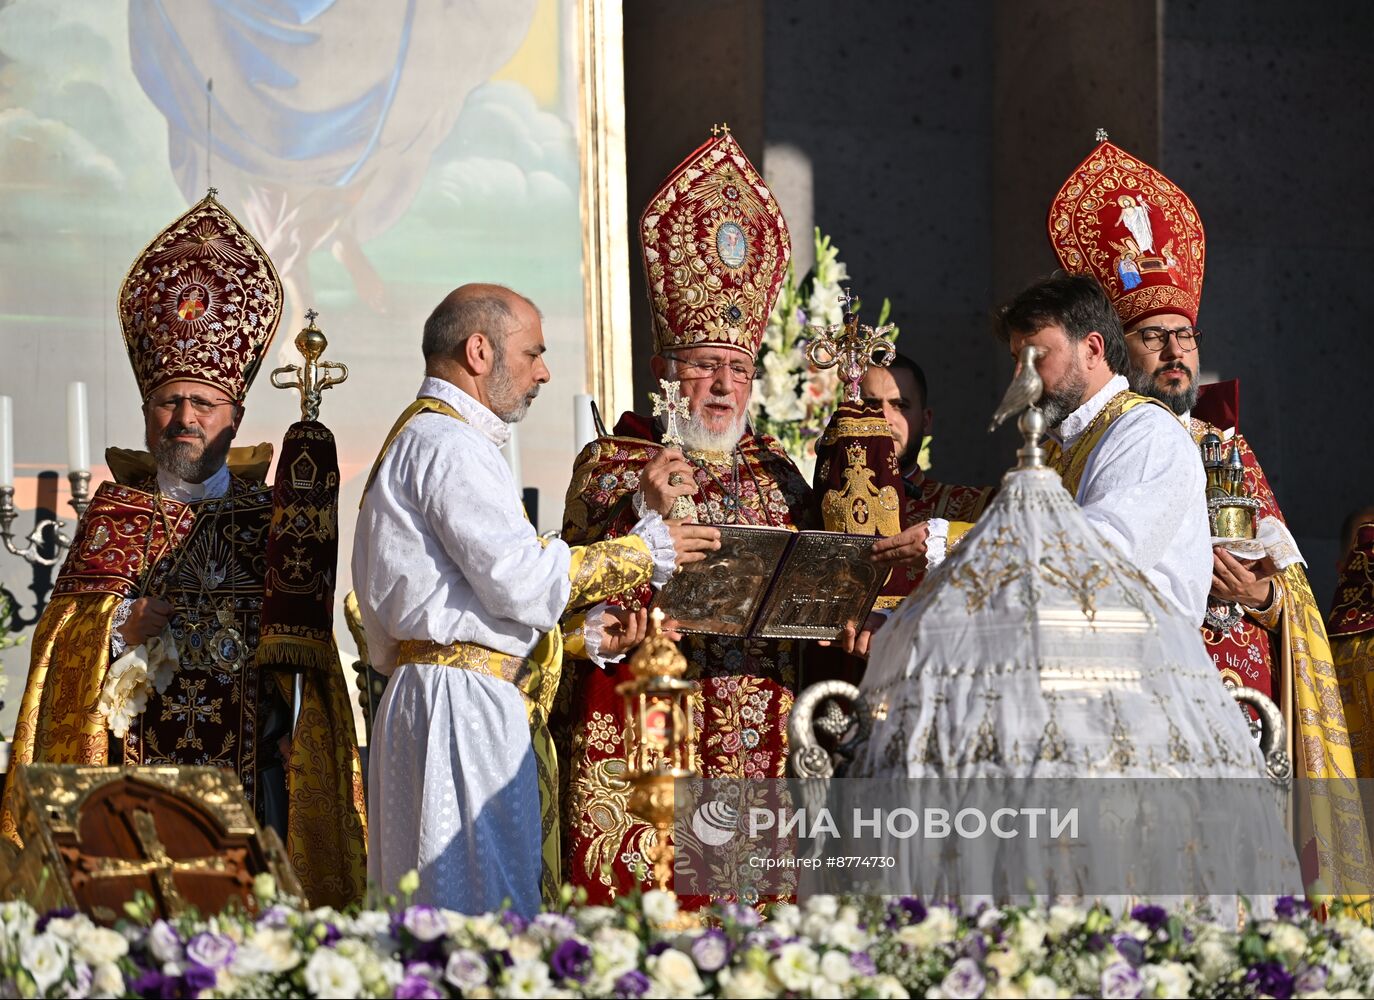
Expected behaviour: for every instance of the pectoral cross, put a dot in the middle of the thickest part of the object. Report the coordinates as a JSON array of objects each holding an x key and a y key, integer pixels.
[
  {"x": 158, "y": 864},
  {"x": 670, "y": 405},
  {"x": 315, "y": 376},
  {"x": 850, "y": 346}
]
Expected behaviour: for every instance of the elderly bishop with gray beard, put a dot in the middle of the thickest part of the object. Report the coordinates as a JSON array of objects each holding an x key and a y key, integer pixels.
[{"x": 710, "y": 295}]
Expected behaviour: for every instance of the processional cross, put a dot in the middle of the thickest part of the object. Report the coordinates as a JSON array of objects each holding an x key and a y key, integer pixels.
[
  {"x": 314, "y": 376},
  {"x": 671, "y": 405},
  {"x": 851, "y": 346},
  {"x": 159, "y": 864}
]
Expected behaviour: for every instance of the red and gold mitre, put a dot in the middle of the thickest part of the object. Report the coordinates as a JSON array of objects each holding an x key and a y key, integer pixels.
[
  {"x": 1134, "y": 230},
  {"x": 200, "y": 304},
  {"x": 715, "y": 251}
]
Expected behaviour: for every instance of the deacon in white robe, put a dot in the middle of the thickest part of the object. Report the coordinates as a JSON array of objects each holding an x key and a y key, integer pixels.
[{"x": 445, "y": 560}]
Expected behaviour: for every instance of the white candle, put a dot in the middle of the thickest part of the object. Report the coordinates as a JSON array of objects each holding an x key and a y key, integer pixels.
[
  {"x": 584, "y": 427},
  {"x": 78, "y": 440},
  {"x": 6, "y": 441},
  {"x": 512, "y": 453}
]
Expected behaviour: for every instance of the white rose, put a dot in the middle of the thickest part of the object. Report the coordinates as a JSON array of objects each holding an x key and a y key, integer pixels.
[
  {"x": 164, "y": 942},
  {"x": 825, "y": 906},
  {"x": 1064, "y": 919},
  {"x": 1215, "y": 957},
  {"x": 525, "y": 948},
  {"x": 989, "y": 918},
  {"x": 268, "y": 950},
  {"x": 937, "y": 928},
  {"x": 616, "y": 949},
  {"x": 528, "y": 979},
  {"x": 489, "y": 932},
  {"x": 795, "y": 966},
  {"x": 108, "y": 981},
  {"x": 845, "y": 935},
  {"x": 1029, "y": 935},
  {"x": 836, "y": 967},
  {"x": 44, "y": 957},
  {"x": 1288, "y": 943},
  {"x": 100, "y": 945},
  {"x": 466, "y": 969},
  {"x": 889, "y": 988},
  {"x": 1168, "y": 979},
  {"x": 1007, "y": 962},
  {"x": 328, "y": 974},
  {"x": 373, "y": 923},
  {"x": 1043, "y": 988},
  {"x": 676, "y": 973},
  {"x": 1004, "y": 990},
  {"x": 785, "y": 920},
  {"x": 660, "y": 907},
  {"x": 1361, "y": 942},
  {"x": 742, "y": 983}
]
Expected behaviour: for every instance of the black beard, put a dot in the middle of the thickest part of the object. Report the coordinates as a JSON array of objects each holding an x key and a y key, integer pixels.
[
  {"x": 1180, "y": 401},
  {"x": 1057, "y": 404}
]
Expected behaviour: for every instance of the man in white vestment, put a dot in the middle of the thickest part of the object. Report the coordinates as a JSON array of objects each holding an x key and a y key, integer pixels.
[
  {"x": 1125, "y": 458},
  {"x": 461, "y": 601}
]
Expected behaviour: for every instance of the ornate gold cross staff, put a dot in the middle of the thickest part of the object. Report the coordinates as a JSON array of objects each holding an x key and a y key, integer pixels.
[
  {"x": 851, "y": 346},
  {"x": 672, "y": 405},
  {"x": 315, "y": 376}
]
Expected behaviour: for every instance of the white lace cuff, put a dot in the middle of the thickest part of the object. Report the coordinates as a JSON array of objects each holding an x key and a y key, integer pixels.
[
  {"x": 654, "y": 531},
  {"x": 641, "y": 505},
  {"x": 593, "y": 632},
  {"x": 121, "y": 615},
  {"x": 937, "y": 542}
]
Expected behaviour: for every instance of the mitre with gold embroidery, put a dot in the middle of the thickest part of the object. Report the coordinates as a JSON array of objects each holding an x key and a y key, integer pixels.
[
  {"x": 200, "y": 304},
  {"x": 715, "y": 249},
  {"x": 1134, "y": 230}
]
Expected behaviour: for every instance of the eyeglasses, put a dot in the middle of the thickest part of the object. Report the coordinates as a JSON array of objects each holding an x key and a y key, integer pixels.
[
  {"x": 708, "y": 369},
  {"x": 1155, "y": 337},
  {"x": 202, "y": 407}
]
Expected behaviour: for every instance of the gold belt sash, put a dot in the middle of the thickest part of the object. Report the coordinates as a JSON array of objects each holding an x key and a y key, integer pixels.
[{"x": 536, "y": 677}]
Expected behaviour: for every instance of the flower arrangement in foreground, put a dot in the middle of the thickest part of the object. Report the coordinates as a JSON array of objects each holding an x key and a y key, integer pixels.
[
  {"x": 793, "y": 399},
  {"x": 830, "y": 946}
]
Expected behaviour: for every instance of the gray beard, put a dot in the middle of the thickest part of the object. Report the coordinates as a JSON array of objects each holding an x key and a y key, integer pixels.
[
  {"x": 1181, "y": 401},
  {"x": 696, "y": 436},
  {"x": 502, "y": 388},
  {"x": 175, "y": 457}
]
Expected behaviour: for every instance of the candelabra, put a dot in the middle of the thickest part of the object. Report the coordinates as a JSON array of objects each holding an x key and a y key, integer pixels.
[{"x": 50, "y": 529}]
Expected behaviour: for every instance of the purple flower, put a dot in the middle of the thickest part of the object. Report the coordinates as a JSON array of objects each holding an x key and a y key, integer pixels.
[
  {"x": 965, "y": 981},
  {"x": 274, "y": 916},
  {"x": 633, "y": 984},
  {"x": 571, "y": 960},
  {"x": 513, "y": 922},
  {"x": 425, "y": 923},
  {"x": 59, "y": 914},
  {"x": 658, "y": 948},
  {"x": 863, "y": 963},
  {"x": 555, "y": 926},
  {"x": 148, "y": 984},
  {"x": 1130, "y": 949},
  {"x": 711, "y": 951},
  {"x": 1288, "y": 908},
  {"x": 197, "y": 977},
  {"x": 907, "y": 910},
  {"x": 1096, "y": 942},
  {"x": 417, "y": 988},
  {"x": 1120, "y": 981},
  {"x": 1271, "y": 978},
  {"x": 1310, "y": 979},
  {"x": 975, "y": 946},
  {"x": 1151, "y": 916},
  {"x": 214, "y": 951},
  {"x": 743, "y": 916}
]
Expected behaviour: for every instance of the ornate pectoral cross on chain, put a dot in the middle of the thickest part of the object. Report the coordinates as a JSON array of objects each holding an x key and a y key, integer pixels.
[
  {"x": 670, "y": 406},
  {"x": 850, "y": 346},
  {"x": 158, "y": 863}
]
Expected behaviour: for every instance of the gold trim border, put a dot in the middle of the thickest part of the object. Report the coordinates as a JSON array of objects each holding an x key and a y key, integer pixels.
[{"x": 605, "y": 218}]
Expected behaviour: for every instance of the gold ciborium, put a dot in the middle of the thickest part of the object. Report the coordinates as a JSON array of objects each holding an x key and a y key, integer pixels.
[{"x": 660, "y": 746}]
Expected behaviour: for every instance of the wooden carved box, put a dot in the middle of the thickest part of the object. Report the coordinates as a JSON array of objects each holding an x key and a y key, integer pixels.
[{"x": 94, "y": 836}]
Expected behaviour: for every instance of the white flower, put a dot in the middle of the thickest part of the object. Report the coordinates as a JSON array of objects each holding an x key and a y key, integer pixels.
[
  {"x": 786, "y": 919},
  {"x": 616, "y": 949},
  {"x": 108, "y": 980},
  {"x": 425, "y": 923},
  {"x": 374, "y": 924},
  {"x": 1044, "y": 988},
  {"x": 1168, "y": 979},
  {"x": 487, "y": 931},
  {"x": 1029, "y": 936},
  {"x": 850, "y": 937},
  {"x": 1064, "y": 919},
  {"x": 125, "y": 692},
  {"x": 836, "y": 967},
  {"x": 1288, "y": 943},
  {"x": 676, "y": 973},
  {"x": 553, "y": 927},
  {"x": 44, "y": 957},
  {"x": 591, "y": 918},
  {"x": 466, "y": 969},
  {"x": 527, "y": 979},
  {"x": 659, "y": 907},
  {"x": 741, "y": 983},
  {"x": 1007, "y": 962},
  {"x": 214, "y": 951},
  {"x": 100, "y": 945},
  {"x": 164, "y": 942},
  {"x": 525, "y": 948},
  {"x": 825, "y": 906},
  {"x": 329, "y": 975},
  {"x": 888, "y": 988},
  {"x": 267, "y": 950},
  {"x": 965, "y": 981},
  {"x": 937, "y": 928},
  {"x": 795, "y": 966}
]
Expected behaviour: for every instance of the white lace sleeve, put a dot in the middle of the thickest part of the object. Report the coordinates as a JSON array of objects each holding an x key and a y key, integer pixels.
[
  {"x": 937, "y": 541},
  {"x": 654, "y": 531},
  {"x": 121, "y": 615}
]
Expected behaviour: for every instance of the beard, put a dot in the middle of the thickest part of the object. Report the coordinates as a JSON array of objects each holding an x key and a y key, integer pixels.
[
  {"x": 1058, "y": 403},
  {"x": 1181, "y": 401},
  {"x": 696, "y": 436},
  {"x": 187, "y": 460},
  {"x": 505, "y": 402}
]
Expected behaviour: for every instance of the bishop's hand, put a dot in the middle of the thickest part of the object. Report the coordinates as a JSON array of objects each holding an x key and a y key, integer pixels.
[
  {"x": 691, "y": 541},
  {"x": 1242, "y": 582},
  {"x": 147, "y": 618},
  {"x": 622, "y": 630},
  {"x": 906, "y": 548},
  {"x": 665, "y": 478}
]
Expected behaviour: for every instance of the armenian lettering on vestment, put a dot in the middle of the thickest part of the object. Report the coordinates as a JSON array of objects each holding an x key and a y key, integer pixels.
[
  {"x": 715, "y": 251},
  {"x": 201, "y": 304},
  {"x": 1113, "y": 210}
]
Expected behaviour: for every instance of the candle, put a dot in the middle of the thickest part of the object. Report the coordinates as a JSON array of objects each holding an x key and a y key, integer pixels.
[
  {"x": 78, "y": 440},
  {"x": 6, "y": 441},
  {"x": 584, "y": 428}
]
